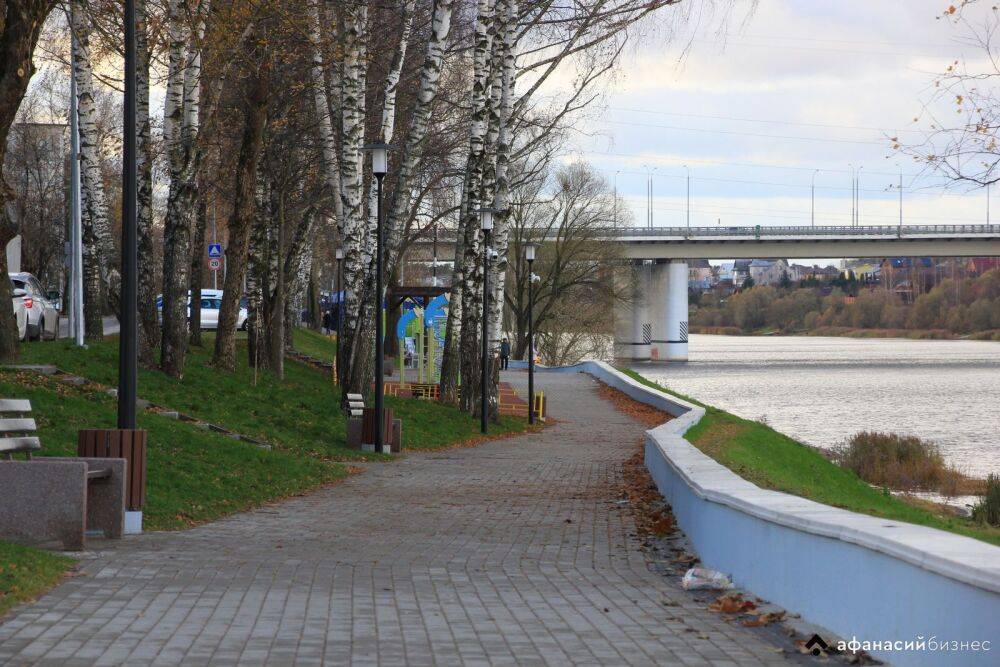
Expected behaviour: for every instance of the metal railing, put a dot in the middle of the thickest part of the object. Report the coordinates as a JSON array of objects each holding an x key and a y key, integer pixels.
[{"x": 771, "y": 232}]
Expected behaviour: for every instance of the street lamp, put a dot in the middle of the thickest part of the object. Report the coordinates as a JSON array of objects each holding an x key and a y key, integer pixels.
[
  {"x": 380, "y": 165},
  {"x": 812, "y": 213},
  {"x": 688, "y": 199},
  {"x": 486, "y": 221},
  {"x": 128, "y": 339},
  {"x": 339, "y": 254},
  {"x": 529, "y": 254}
]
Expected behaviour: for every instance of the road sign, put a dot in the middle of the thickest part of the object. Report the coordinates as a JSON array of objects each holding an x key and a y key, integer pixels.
[
  {"x": 215, "y": 264},
  {"x": 214, "y": 250}
]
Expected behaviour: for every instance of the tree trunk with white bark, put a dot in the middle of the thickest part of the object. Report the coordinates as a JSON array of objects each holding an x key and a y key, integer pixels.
[{"x": 98, "y": 248}]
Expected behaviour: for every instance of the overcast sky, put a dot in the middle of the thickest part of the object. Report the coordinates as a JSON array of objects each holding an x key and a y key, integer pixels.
[{"x": 802, "y": 85}]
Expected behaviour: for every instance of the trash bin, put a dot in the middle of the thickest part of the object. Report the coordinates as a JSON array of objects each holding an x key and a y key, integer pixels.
[{"x": 125, "y": 444}]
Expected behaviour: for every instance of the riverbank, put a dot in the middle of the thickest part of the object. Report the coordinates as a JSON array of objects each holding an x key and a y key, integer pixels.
[
  {"x": 771, "y": 460},
  {"x": 853, "y": 332}
]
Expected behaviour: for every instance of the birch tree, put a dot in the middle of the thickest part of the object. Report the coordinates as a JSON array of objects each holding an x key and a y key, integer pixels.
[
  {"x": 355, "y": 224},
  {"x": 461, "y": 337},
  {"x": 98, "y": 248},
  {"x": 148, "y": 321},
  {"x": 181, "y": 127}
]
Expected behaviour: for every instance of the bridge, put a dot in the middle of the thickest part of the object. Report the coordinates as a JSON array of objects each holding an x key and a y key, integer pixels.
[
  {"x": 786, "y": 242},
  {"x": 654, "y": 324}
]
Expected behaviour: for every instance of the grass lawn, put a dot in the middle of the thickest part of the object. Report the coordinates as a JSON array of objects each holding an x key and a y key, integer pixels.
[
  {"x": 772, "y": 460},
  {"x": 26, "y": 573},
  {"x": 314, "y": 344},
  {"x": 298, "y": 414},
  {"x": 194, "y": 475}
]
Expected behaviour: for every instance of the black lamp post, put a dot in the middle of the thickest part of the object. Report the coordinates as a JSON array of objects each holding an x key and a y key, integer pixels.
[
  {"x": 128, "y": 338},
  {"x": 380, "y": 166},
  {"x": 339, "y": 255},
  {"x": 529, "y": 254},
  {"x": 486, "y": 218}
]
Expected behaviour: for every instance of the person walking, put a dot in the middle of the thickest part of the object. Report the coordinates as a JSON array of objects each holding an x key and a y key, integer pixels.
[{"x": 504, "y": 354}]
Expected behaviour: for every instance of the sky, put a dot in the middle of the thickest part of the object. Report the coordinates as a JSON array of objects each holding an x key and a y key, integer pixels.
[{"x": 799, "y": 86}]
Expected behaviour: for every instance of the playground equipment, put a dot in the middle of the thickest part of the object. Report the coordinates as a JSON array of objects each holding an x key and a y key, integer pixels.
[{"x": 421, "y": 338}]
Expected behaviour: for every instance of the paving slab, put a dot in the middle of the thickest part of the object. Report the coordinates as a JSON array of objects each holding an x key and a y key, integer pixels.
[{"x": 512, "y": 552}]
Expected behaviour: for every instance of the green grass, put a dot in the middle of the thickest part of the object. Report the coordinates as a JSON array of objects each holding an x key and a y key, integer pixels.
[
  {"x": 772, "y": 460},
  {"x": 194, "y": 475},
  {"x": 299, "y": 413},
  {"x": 26, "y": 573},
  {"x": 314, "y": 344}
]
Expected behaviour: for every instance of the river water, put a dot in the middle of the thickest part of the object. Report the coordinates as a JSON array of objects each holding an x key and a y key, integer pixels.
[{"x": 823, "y": 390}]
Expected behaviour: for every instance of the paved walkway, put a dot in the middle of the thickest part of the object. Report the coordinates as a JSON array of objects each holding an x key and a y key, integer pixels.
[{"x": 512, "y": 552}]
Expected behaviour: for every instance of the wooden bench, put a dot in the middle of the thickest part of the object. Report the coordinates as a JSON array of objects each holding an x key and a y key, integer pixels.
[
  {"x": 54, "y": 498},
  {"x": 361, "y": 426}
]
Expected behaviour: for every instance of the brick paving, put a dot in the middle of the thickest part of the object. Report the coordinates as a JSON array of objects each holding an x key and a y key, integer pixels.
[{"x": 512, "y": 552}]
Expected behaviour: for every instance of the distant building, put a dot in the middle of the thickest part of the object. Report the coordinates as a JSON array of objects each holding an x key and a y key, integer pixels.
[
  {"x": 769, "y": 272},
  {"x": 700, "y": 275},
  {"x": 741, "y": 271}
]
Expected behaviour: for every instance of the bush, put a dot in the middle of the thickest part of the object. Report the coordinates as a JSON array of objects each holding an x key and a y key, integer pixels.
[
  {"x": 905, "y": 463},
  {"x": 987, "y": 510}
]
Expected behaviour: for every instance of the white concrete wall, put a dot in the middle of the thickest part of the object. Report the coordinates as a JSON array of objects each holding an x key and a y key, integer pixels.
[{"x": 856, "y": 575}]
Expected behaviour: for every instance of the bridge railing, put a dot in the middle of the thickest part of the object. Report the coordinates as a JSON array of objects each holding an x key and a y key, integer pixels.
[
  {"x": 799, "y": 231},
  {"x": 765, "y": 231}
]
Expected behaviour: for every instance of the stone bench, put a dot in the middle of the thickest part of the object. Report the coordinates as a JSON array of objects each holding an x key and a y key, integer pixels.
[{"x": 54, "y": 498}]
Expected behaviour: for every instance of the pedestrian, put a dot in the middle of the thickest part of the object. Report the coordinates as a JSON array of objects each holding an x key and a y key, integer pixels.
[{"x": 504, "y": 354}]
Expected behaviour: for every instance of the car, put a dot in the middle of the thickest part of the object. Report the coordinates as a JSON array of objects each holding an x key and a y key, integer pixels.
[
  {"x": 43, "y": 315},
  {"x": 211, "y": 304},
  {"x": 20, "y": 312}
]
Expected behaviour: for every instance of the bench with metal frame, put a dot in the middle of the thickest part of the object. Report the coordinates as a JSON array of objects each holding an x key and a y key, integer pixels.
[{"x": 54, "y": 498}]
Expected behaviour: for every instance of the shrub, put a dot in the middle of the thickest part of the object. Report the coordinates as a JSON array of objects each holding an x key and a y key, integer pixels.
[
  {"x": 906, "y": 463},
  {"x": 987, "y": 510}
]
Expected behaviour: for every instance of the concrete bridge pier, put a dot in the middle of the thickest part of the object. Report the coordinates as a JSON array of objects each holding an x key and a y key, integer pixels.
[
  {"x": 669, "y": 296},
  {"x": 632, "y": 324}
]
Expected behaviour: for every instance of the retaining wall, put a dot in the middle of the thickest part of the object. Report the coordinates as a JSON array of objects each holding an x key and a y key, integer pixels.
[{"x": 876, "y": 580}]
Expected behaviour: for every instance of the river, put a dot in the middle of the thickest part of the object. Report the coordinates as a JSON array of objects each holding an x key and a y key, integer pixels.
[{"x": 823, "y": 390}]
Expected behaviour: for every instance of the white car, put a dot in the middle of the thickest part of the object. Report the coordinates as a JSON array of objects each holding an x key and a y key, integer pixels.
[
  {"x": 43, "y": 315},
  {"x": 211, "y": 304},
  {"x": 20, "y": 312}
]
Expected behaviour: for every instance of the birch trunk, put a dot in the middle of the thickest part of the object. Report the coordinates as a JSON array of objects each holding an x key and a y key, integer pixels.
[
  {"x": 183, "y": 152},
  {"x": 430, "y": 76},
  {"x": 461, "y": 335},
  {"x": 324, "y": 121},
  {"x": 96, "y": 237},
  {"x": 502, "y": 232},
  {"x": 355, "y": 225},
  {"x": 148, "y": 321}
]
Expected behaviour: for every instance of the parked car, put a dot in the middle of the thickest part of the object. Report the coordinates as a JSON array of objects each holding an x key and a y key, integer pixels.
[
  {"x": 20, "y": 312},
  {"x": 43, "y": 315},
  {"x": 211, "y": 304}
]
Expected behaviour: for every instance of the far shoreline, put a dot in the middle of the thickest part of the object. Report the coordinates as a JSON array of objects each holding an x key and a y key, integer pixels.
[{"x": 992, "y": 335}]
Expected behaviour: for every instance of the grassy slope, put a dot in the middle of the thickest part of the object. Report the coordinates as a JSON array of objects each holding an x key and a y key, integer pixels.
[
  {"x": 314, "y": 344},
  {"x": 772, "y": 460},
  {"x": 27, "y": 572},
  {"x": 299, "y": 414},
  {"x": 194, "y": 475}
]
